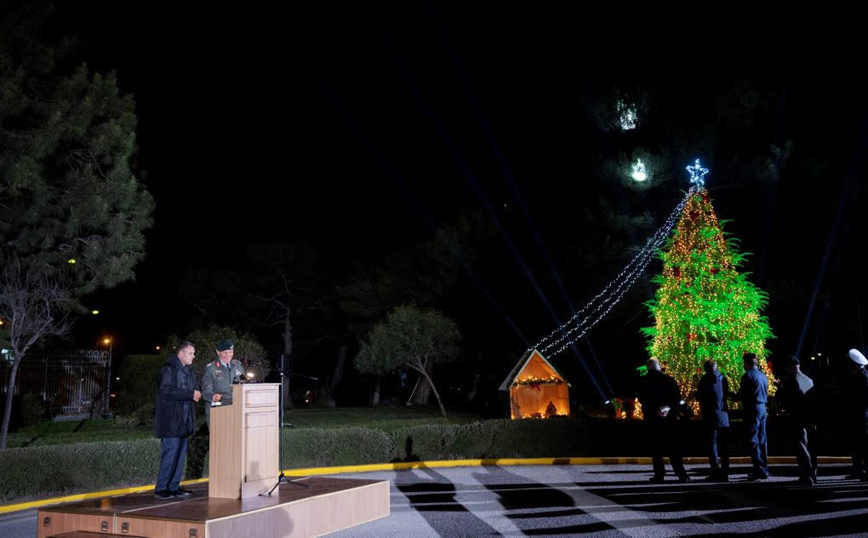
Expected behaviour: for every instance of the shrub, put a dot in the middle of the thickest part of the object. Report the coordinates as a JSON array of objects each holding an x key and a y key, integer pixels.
[
  {"x": 138, "y": 384},
  {"x": 319, "y": 447},
  {"x": 145, "y": 413},
  {"x": 556, "y": 437},
  {"x": 500, "y": 438},
  {"x": 127, "y": 422},
  {"x": 47, "y": 471},
  {"x": 32, "y": 410}
]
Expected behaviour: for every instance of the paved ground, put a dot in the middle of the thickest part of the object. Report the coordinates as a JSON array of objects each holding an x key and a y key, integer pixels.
[{"x": 597, "y": 500}]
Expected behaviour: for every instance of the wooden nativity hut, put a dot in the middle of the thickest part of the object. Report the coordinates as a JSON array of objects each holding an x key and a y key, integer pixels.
[{"x": 536, "y": 389}]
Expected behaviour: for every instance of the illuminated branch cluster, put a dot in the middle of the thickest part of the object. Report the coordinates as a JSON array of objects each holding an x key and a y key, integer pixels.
[{"x": 704, "y": 308}]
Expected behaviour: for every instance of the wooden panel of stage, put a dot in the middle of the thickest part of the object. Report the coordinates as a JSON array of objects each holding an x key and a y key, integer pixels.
[{"x": 331, "y": 504}]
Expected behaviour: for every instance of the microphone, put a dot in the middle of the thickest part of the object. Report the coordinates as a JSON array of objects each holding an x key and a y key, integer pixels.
[{"x": 237, "y": 372}]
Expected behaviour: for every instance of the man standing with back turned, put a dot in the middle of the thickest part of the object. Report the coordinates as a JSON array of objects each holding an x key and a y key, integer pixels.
[
  {"x": 754, "y": 394},
  {"x": 795, "y": 396},
  {"x": 712, "y": 392},
  {"x": 175, "y": 419},
  {"x": 660, "y": 396}
]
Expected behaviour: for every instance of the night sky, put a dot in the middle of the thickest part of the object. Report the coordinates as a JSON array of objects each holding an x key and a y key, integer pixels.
[{"x": 365, "y": 125}]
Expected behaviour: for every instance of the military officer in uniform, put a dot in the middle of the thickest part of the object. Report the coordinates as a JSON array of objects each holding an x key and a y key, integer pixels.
[{"x": 219, "y": 376}]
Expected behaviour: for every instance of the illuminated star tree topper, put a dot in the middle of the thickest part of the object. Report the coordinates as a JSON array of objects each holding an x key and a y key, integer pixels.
[{"x": 697, "y": 174}]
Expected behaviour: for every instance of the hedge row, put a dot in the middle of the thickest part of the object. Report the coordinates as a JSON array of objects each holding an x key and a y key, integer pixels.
[{"x": 48, "y": 471}]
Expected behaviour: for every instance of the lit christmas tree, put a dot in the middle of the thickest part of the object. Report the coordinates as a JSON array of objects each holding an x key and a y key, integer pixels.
[{"x": 704, "y": 308}]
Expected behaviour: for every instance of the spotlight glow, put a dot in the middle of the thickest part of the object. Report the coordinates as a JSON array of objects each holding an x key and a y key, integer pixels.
[
  {"x": 639, "y": 173},
  {"x": 628, "y": 118}
]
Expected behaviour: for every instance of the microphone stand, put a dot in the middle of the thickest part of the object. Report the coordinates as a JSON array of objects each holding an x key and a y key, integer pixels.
[{"x": 282, "y": 478}]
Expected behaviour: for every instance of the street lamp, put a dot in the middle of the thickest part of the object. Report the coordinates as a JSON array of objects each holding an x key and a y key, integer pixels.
[{"x": 107, "y": 341}]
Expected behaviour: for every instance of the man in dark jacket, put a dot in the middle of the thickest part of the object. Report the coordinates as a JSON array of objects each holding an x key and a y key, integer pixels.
[
  {"x": 175, "y": 419},
  {"x": 660, "y": 398},
  {"x": 712, "y": 392},
  {"x": 754, "y": 393},
  {"x": 795, "y": 398}
]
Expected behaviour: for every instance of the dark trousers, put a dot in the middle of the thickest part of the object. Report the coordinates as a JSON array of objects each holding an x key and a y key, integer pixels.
[
  {"x": 807, "y": 459},
  {"x": 859, "y": 446},
  {"x": 718, "y": 450},
  {"x": 173, "y": 455},
  {"x": 755, "y": 418},
  {"x": 665, "y": 443}
]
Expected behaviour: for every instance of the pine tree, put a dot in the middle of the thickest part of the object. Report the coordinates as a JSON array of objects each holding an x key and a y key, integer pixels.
[{"x": 703, "y": 307}]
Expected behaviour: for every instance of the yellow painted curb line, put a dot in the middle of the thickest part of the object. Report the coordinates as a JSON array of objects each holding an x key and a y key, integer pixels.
[
  {"x": 399, "y": 466},
  {"x": 84, "y": 496}
]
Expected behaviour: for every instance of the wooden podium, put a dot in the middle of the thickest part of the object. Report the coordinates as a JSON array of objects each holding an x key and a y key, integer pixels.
[{"x": 244, "y": 442}]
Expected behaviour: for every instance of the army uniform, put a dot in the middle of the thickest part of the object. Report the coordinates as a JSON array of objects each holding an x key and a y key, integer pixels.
[{"x": 218, "y": 379}]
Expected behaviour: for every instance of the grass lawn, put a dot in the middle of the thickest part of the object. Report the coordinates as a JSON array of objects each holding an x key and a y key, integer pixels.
[
  {"x": 386, "y": 419},
  {"x": 75, "y": 431}
]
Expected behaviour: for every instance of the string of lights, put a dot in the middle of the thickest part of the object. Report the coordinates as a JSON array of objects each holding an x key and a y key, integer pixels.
[{"x": 598, "y": 307}]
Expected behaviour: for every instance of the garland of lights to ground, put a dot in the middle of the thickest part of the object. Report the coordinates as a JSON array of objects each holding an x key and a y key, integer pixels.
[{"x": 703, "y": 308}]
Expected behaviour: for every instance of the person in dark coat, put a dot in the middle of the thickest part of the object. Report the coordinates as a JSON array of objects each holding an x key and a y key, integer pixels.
[
  {"x": 712, "y": 392},
  {"x": 660, "y": 397},
  {"x": 754, "y": 394},
  {"x": 795, "y": 396},
  {"x": 856, "y": 391},
  {"x": 175, "y": 419}
]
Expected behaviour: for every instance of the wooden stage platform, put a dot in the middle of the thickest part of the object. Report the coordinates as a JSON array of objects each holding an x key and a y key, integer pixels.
[{"x": 331, "y": 504}]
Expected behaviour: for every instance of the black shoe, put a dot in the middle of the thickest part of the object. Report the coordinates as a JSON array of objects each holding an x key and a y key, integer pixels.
[
  {"x": 656, "y": 480},
  {"x": 753, "y": 477},
  {"x": 164, "y": 495},
  {"x": 684, "y": 478},
  {"x": 805, "y": 481},
  {"x": 181, "y": 492}
]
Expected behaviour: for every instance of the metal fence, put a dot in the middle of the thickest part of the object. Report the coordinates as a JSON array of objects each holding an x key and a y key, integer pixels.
[{"x": 70, "y": 382}]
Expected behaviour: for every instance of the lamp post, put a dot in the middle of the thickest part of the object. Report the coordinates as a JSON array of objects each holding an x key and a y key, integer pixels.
[{"x": 107, "y": 341}]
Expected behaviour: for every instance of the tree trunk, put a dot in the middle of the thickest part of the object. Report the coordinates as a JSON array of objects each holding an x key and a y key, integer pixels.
[
  {"x": 434, "y": 390},
  {"x": 339, "y": 373},
  {"x": 7, "y": 414},
  {"x": 474, "y": 386},
  {"x": 423, "y": 388},
  {"x": 375, "y": 398}
]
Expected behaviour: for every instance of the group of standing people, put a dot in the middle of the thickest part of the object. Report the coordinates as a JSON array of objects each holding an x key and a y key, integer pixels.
[
  {"x": 178, "y": 391},
  {"x": 661, "y": 402}
]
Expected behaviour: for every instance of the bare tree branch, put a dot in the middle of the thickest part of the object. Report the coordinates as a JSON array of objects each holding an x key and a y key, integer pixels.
[{"x": 34, "y": 306}]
